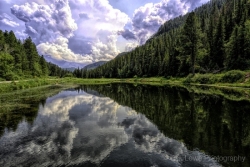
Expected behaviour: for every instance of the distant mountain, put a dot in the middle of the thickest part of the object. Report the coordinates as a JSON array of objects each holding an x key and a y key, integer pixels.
[
  {"x": 94, "y": 65},
  {"x": 70, "y": 69}
]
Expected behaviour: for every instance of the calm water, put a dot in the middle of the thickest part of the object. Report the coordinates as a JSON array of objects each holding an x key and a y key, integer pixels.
[{"x": 125, "y": 125}]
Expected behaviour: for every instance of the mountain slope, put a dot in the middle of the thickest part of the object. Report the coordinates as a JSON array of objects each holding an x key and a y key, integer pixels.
[
  {"x": 94, "y": 65},
  {"x": 212, "y": 38}
]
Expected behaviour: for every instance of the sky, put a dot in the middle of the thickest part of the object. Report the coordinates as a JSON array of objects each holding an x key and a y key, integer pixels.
[{"x": 74, "y": 33}]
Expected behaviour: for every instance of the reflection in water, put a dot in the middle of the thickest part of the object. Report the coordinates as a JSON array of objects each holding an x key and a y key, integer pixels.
[
  {"x": 209, "y": 122},
  {"x": 75, "y": 128}
]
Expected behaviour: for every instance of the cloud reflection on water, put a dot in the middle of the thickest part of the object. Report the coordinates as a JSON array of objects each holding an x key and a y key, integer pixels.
[{"x": 76, "y": 128}]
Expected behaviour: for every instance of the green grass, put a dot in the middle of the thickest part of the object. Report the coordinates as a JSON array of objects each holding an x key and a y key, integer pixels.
[
  {"x": 228, "y": 79},
  {"x": 24, "y": 98},
  {"x": 233, "y": 78}
]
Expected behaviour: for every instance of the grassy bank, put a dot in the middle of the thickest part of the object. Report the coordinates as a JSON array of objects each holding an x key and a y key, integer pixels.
[
  {"x": 16, "y": 106},
  {"x": 238, "y": 79},
  {"x": 228, "y": 79},
  {"x": 23, "y": 98}
]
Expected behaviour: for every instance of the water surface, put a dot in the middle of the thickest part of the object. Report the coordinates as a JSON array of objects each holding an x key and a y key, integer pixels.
[{"x": 126, "y": 125}]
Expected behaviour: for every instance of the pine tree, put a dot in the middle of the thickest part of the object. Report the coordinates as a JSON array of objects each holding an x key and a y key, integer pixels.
[
  {"x": 218, "y": 56},
  {"x": 33, "y": 57},
  {"x": 189, "y": 40},
  {"x": 44, "y": 66}
]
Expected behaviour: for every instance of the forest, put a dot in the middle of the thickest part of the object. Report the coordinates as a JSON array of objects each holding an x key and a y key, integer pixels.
[
  {"x": 213, "y": 38},
  {"x": 20, "y": 59}
]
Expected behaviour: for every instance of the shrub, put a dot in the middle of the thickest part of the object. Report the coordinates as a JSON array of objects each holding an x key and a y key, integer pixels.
[
  {"x": 68, "y": 75},
  {"x": 10, "y": 76},
  {"x": 188, "y": 79},
  {"x": 233, "y": 76},
  {"x": 2, "y": 79},
  {"x": 203, "y": 79}
]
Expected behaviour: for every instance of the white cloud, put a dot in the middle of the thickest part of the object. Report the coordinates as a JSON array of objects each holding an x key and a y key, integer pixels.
[
  {"x": 101, "y": 22},
  {"x": 51, "y": 22},
  {"x": 7, "y": 20},
  {"x": 148, "y": 18},
  {"x": 105, "y": 50},
  {"x": 59, "y": 50},
  {"x": 44, "y": 23},
  {"x": 130, "y": 46}
]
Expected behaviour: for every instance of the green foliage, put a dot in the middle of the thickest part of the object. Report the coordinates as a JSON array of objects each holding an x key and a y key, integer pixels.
[
  {"x": 233, "y": 76},
  {"x": 10, "y": 76},
  {"x": 68, "y": 75},
  {"x": 6, "y": 63},
  {"x": 189, "y": 40},
  {"x": 21, "y": 59}
]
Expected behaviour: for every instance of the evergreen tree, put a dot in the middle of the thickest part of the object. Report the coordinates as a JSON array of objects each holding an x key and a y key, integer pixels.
[
  {"x": 189, "y": 40},
  {"x": 44, "y": 66}
]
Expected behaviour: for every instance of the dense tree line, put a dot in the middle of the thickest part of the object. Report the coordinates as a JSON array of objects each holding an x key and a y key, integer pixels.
[
  {"x": 214, "y": 37},
  {"x": 20, "y": 59}
]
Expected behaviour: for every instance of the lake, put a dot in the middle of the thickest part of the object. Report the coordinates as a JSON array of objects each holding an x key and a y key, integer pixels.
[{"x": 128, "y": 125}]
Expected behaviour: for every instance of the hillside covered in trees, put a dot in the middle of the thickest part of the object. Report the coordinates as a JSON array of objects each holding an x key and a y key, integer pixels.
[
  {"x": 213, "y": 38},
  {"x": 20, "y": 59}
]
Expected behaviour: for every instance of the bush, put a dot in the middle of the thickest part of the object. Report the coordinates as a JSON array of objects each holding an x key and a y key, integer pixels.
[
  {"x": 203, "y": 79},
  {"x": 10, "y": 76},
  {"x": 233, "y": 76},
  {"x": 2, "y": 79},
  {"x": 188, "y": 80},
  {"x": 68, "y": 75}
]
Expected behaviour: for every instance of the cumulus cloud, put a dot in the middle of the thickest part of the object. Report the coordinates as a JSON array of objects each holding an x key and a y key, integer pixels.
[
  {"x": 127, "y": 34},
  {"x": 47, "y": 21},
  {"x": 7, "y": 20},
  {"x": 50, "y": 21},
  {"x": 148, "y": 18},
  {"x": 102, "y": 14},
  {"x": 130, "y": 46},
  {"x": 44, "y": 23},
  {"x": 59, "y": 50},
  {"x": 106, "y": 49},
  {"x": 101, "y": 25},
  {"x": 84, "y": 16},
  {"x": 50, "y": 27}
]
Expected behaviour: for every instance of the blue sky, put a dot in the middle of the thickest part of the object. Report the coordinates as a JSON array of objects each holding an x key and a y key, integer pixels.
[{"x": 79, "y": 32}]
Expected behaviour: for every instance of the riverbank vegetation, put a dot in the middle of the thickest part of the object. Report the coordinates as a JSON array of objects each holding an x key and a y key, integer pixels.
[
  {"x": 16, "y": 106},
  {"x": 230, "y": 79}
]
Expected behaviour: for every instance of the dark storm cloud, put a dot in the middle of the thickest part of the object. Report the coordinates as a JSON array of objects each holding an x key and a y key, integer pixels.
[
  {"x": 84, "y": 16},
  {"x": 127, "y": 34},
  {"x": 80, "y": 45}
]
